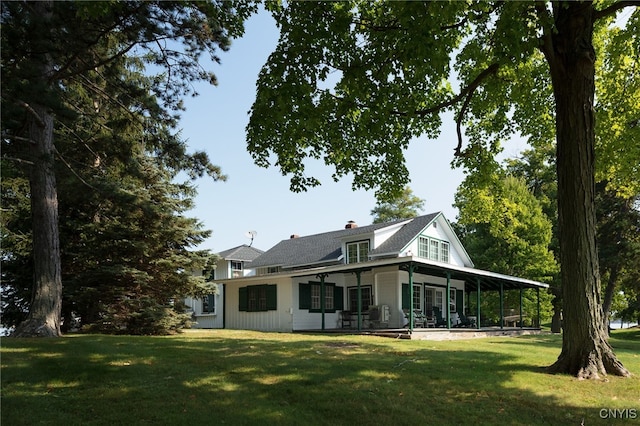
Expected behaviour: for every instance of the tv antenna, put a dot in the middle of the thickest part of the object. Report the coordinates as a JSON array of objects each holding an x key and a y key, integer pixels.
[{"x": 251, "y": 235}]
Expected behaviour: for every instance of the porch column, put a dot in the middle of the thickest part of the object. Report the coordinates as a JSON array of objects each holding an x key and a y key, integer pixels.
[
  {"x": 359, "y": 297},
  {"x": 411, "y": 297},
  {"x": 322, "y": 297},
  {"x": 521, "y": 295},
  {"x": 501, "y": 305},
  {"x": 478, "y": 306},
  {"x": 538, "y": 297},
  {"x": 448, "y": 307}
]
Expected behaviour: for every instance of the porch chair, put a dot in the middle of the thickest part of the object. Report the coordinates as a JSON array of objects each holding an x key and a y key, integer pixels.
[
  {"x": 419, "y": 320},
  {"x": 347, "y": 319},
  {"x": 440, "y": 321},
  {"x": 463, "y": 321},
  {"x": 430, "y": 319}
]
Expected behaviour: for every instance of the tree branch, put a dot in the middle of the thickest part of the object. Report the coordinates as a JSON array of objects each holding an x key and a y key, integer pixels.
[
  {"x": 458, "y": 149},
  {"x": 31, "y": 111},
  {"x": 490, "y": 70},
  {"x": 614, "y": 8},
  {"x": 546, "y": 40},
  {"x": 19, "y": 160},
  {"x": 72, "y": 170}
]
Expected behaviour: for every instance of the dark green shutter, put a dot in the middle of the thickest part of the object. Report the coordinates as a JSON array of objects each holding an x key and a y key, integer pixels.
[
  {"x": 272, "y": 297},
  {"x": 338, "y": 298},
  {"x": 406, "y": 296},
  {"x": 460, "y": 301},
  {"x": 243, "y": 299},
  {"x": 304, "y": 297}
]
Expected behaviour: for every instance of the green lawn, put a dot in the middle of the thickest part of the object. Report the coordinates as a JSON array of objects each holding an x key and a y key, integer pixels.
[{"x": 240, "y": 377}]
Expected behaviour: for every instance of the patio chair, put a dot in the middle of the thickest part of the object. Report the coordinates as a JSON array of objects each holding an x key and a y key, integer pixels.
[
  {"x": 430, "y": 320},
  {"x": 347, "y": 319},
  {"x": 463, "y": 321},
  {"x": 440, "y": 322},
  {"x": 419, "y": 320}
]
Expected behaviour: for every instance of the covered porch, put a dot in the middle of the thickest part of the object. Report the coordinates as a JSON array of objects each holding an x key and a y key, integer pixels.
[
  {"x": 427, "y": 323},
  {"x": 477, "y": 283}
]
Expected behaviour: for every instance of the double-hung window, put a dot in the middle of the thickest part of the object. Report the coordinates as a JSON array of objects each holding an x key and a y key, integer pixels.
[
  {"x": 209, "y": 304},
  {"x": 366, "y": 294},
  {"x": 417, "y": 299},
  {"x": 433, "y": 249},
  {"x": 236, "y": 269},
  {"x": 256, "y": 298},
  {"x": 310, "y": 297},
  {"x": 358, "y": 252}
]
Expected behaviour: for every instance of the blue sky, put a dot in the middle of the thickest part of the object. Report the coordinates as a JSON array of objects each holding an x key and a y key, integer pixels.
[{"x": 259, "y": 199}]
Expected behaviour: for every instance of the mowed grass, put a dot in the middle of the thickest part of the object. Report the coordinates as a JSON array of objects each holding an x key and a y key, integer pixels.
[{"x": 241, "y": 377}]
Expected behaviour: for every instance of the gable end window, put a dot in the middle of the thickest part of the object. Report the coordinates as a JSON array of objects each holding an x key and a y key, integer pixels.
[
  {"x": 433, "y": 249},
  {"x": 358, "y": 252},
  {"x": 258, "y": 298},
  {"x": 309, "y": 297}
]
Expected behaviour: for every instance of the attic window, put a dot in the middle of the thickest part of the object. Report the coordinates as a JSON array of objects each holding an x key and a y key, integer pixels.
[{"x": 433, "y": 249}]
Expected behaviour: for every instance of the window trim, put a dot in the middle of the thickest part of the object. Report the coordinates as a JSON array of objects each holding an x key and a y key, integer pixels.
[
  {"x": 359, "y": 257},
  {"x": 434, "y": 249},
  {"x": 235, "y": 272},
  {"x": 355, "y": 299},
  {"x": 270, "y": 298},
  {"x": 210, "y": 300},
  {"x": 332, "y": 292}
]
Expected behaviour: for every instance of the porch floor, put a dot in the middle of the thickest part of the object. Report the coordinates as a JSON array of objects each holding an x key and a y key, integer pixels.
[{"x": 435, "y": 333}]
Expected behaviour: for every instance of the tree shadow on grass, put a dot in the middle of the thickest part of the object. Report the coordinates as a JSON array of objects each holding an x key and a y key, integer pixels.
[{"x": 273, "y": 379}]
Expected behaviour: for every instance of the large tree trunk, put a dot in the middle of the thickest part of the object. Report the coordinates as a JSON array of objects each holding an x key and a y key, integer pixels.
[
  {"x": 586, "y": 352},
  {"x": 46, "y": 301}
]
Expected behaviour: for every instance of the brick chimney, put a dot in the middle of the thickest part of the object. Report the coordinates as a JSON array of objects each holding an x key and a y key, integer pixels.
[
  {"x": 350, "y": 225},
  {"x": 294, "y": 236}
]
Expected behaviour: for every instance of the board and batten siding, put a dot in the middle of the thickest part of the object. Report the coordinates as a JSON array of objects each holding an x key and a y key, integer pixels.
[
  {"x": 305, "y": 320},
  {"x": 388, "y": 292},
  {"x": 279, "y": 319}
]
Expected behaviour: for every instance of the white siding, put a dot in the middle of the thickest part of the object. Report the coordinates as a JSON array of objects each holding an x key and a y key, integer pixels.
[
  {"x": 223, "y": 269},
  {"x": 214, "y": 320},
  {"x": 441, "y": 232},
  {"x": 305, "y": 320},
  {"x": 388, "y": 291},
  {"x": 277, "y": 320}
]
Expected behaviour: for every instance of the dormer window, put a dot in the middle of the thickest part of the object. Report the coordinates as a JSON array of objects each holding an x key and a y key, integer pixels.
[
  {"x": 236, "y": 269},
  {"x": 358, "y": 252}
]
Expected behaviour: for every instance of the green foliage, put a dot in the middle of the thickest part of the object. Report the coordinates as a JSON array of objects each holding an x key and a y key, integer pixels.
[
  {"x": 140, "y": 316},
  {"x": 404, "y": 206},
  {"x": 503, "y": 227},
  {"x": 618, "y": 107},
  {"x": 344, "y": 83},
  {"x": 505, "y": 230},
  {"x": 119, "y": 73}
]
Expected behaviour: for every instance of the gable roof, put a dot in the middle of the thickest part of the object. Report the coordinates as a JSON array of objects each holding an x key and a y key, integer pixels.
[
  {"x": 408, "y": 232},
  {"x": 326, "y": 248},
  {"x": 243, "y": 253}
]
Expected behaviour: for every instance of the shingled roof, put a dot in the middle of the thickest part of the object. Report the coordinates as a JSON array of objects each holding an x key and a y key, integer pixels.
[
  {"x": 243, "y": 253},
  {"x": 326, "y": 248}
]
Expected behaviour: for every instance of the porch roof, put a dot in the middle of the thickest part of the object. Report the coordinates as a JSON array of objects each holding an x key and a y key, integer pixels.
[{"x": 488, "y": 280}]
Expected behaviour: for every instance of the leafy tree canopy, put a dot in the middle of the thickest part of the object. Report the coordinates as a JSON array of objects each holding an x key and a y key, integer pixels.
[
  {"x": 405, "y": 206},
  {"x": 352, "y": 83}
]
